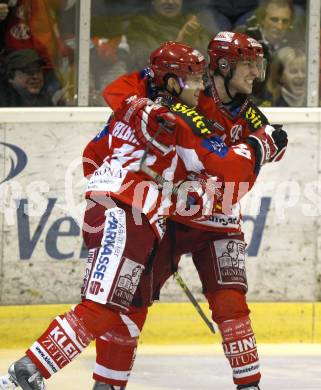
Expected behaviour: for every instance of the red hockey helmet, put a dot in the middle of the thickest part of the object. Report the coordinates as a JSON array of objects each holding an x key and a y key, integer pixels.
[
  {"x": 227, "y": 48},
  {"x": 175, "y": 58}
]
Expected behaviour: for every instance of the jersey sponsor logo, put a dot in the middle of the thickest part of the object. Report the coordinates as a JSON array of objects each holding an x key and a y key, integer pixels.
[
  {"x": 240, "y": 346},
  {"x": 127, "y": 283},
  {"x": 124, "y": 132},
  {"x": 224, "y": 220},
  {"x": 18, "y": 161},
  {"x": 230, "y": 256},
  {"x": 94, "y": 287},
  {"x": 108, "y": 247},
  {"x": 197, "y": 122},
  {"x": 215, "y": 145},
  {"x": 107, "y": 170},
  {"x": 254, "y": 118}
]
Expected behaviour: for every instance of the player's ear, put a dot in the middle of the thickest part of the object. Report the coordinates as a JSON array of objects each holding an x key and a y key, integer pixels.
[{"x": 172, "y": 84}]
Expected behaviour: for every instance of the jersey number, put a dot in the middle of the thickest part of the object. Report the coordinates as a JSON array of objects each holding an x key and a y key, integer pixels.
[{"x": 242, "y": 150}]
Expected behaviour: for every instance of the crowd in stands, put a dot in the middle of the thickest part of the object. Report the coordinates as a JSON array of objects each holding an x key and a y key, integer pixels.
[
  {"x": 37, "y": 44},
  {"x": 36, "y": 63}
]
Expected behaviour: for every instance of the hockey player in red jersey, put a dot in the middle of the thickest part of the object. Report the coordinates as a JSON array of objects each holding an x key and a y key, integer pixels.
[
  {"x": 144, "y": 156},
  {"x": 236, "y": 61}
]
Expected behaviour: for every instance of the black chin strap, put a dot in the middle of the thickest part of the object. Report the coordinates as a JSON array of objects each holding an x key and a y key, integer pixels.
[{"x": 226, "y": 85}]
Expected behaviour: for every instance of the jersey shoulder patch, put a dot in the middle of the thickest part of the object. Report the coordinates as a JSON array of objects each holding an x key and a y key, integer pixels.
[
  {"x": 254, "y": 117},
  {"x": 199, "y": 124},
  {"x": 215, "y": 145}
]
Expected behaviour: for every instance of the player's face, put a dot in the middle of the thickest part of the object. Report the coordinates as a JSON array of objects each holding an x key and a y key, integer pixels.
[
  {"x": 276, "y": 23},
  {"x": 192, "y": 89},
  {"x": 168, "y": 8},
  {"x": 243, "y": 77},
  {"x": 293, "y": 77}
]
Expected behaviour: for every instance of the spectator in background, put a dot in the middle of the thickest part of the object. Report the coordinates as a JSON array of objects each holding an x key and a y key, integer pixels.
[
  {"x": 165, "y": 21},
  {"x": 4, "y": 11},
  {"x": 25, "y": 82},
  {"x": 109, "y": 53},
  {"x": 286, "y": 84},
  {"x": 271, "y": 25},
  {"x": 218, "y": 15},
  {"x": 33, "y": 24}
]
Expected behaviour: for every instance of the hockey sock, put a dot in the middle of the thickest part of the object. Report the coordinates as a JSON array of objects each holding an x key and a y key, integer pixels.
[
  {"x": 65, "y": 338},
  {"x": 240, "y": 349},
  {"x": 116, "y": 349},
  {"x": 68, "y": 335}
]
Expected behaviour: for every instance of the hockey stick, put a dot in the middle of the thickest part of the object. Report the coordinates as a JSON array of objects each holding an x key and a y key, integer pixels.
[{"x": 191, "y": 297}]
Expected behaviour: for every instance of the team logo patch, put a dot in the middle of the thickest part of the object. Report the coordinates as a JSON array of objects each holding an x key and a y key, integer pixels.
[
  {"x": 236, "y": 133},
  {"x": 215, "y": 145},
  {"x": 231, "y": 256}
]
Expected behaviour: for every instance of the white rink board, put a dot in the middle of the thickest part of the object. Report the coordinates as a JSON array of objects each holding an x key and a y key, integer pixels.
[{"x": 40, "y": 252}]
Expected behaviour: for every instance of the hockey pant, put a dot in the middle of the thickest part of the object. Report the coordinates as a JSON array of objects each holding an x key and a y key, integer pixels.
[
  {"x": 119, "y": 252},
  {"x": 220, "y": 262}
]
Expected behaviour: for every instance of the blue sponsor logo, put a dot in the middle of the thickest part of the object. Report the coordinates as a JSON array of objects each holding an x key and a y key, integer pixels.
[
  {"x": 18, "y": 161},
  {"x": 215, "y": 145}
]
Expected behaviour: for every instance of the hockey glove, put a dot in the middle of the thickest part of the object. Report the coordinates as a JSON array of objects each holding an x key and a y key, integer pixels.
[
  {"x": 269, "y": 143},
  {"x": 153, "y": 124},
  {"x": 199, "y": 196}
]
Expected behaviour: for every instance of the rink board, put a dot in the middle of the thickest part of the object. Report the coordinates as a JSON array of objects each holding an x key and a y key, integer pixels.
[
  {"x": 176, "y": 323},
  {"x": 42, "y": 256}
]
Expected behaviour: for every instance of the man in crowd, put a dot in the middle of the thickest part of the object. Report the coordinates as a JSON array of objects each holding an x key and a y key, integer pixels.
[
  {"x": 126, "y": 202},
  {"x": 167, "y": 20},
  {"x": 236, "y": 61},
  {"x": 25, "y": 84},
  {"x": 271, "y": 27}
]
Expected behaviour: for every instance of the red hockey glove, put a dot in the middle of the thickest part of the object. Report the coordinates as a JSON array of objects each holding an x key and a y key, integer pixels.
[
  {"x": 199, "y": 195},
  {"x": 269, "y": 143},
  {"x": 153, "y": 124}
]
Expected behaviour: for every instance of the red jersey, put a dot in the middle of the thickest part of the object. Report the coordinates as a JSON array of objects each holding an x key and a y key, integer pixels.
[
  {"x": 121, "y": 175},
  {"x": 231, "y": 167}
]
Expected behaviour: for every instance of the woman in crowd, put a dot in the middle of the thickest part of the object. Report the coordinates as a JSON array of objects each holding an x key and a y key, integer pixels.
[{"x": 286, "y": 82}]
